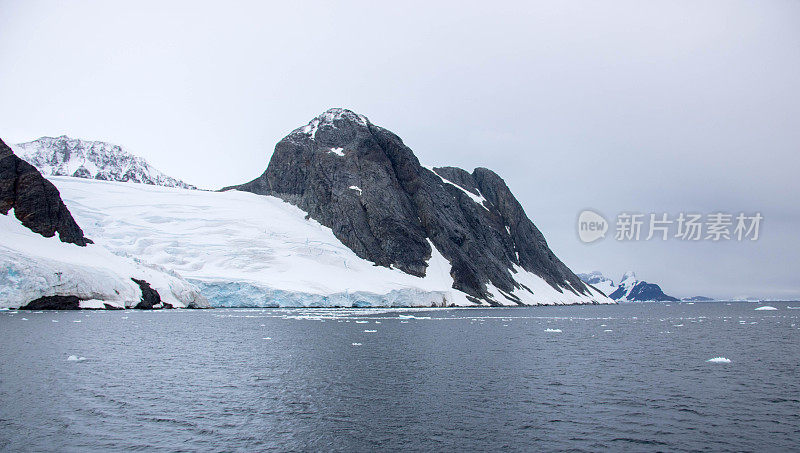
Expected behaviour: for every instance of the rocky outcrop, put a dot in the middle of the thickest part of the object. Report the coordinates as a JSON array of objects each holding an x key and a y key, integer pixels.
[
  {"x": 364, "y": 183},
  {"x": 54, "y": 303},
  {"x": 150, "y": 298},
  {"x": 35, "y": 200}
]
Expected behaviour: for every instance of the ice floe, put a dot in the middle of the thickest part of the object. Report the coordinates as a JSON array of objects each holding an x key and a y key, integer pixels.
[
  {"x": 553, "y": 330},
  {"x": 719, "y": 360},
  {"x": 765, "y": 307},
  {"x": 74, "y": 358}
]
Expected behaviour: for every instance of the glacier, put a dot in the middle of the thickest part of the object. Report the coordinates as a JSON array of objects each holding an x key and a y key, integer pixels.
[
  {"x": 33, "y": 266},
  {"x": 244, "y": 250}
]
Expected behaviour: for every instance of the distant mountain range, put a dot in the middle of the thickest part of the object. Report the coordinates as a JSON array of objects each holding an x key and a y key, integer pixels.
[
  {"x": 65, "y": 156},
  {"x": 629, "y": 289}
]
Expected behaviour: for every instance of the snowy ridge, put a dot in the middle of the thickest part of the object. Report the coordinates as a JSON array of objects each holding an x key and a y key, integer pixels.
[
  {"x": 244, "y": 249},
  {"x": 599, "y": 281},
  {"x": 64, "y": 156},
  {"x": 328, "y": 118},
  {"x": 627, "y": 283},
  {"x": 32, "y": 266}
]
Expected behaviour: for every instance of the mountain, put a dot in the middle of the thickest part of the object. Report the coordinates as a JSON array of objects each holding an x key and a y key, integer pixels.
[
  {"x": 64, "y": 156},
  {"x": 39, "y": 271},
  {"x": 246, "y": 250},
  {"x": 362, "y": 182},
  {"x": 629, "y": 289},
  {"x": 599, "y": 281}
]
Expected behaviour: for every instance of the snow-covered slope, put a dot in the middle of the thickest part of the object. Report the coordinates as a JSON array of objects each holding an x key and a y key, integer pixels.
[
  {"x": 244, "y": 249},
  {"x": 599, "y": 281},
  {"x": 64, "y": 156},
  {"x": 33, "y": 266},
  {"x": 625, "y": 286}
]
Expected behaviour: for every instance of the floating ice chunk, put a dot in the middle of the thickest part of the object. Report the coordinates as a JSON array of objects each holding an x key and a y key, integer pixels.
[
  {"x": 553, "y": 330},
  {"x": 793, "y": 308},
  {"x": 608, "y": 330},
  {"x": 356, "y": 344},
  {"x": 377, "y": 322},
  {"x": 356, "y": 188},
  {"x": 77, "y": 320},
  {"x": 267, "y": 338},
  {"x": 54, "y": 320},
  {"x": 337, "y": 151},
  {"x": 362, "y": 322},
  {"x": 765, "y": 307},
  {"x": 370, "y": 331},
  {"x": 74, "y": 358},
  {"x": 678, "y": 325},
  {"x": 719, "y": 360},
  {"x": 24, "y": 319}
]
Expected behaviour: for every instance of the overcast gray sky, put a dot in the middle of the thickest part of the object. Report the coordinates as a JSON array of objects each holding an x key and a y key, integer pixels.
[{"x": 616, "y": 106}]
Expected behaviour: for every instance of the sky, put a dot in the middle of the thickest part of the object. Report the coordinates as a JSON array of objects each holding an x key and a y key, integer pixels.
[{"x": 616, "y": 106}]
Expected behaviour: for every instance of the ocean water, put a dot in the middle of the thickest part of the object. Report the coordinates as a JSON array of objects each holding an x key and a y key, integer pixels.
[{"x": 632, "y": 377}]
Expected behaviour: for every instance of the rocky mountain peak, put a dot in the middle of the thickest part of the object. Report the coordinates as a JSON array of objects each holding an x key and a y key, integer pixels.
[
  {"x": 335, "y": 129},
  {"x": 65, "y": 156},
  {"x": 361, "y": 180}
]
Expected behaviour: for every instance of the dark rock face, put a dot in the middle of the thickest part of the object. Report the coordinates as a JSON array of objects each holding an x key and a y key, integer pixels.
[
  {"x": 369, "y": 188},
  {"x": 54, "y": 303},
  {"x": 648, "y": 291},
  {"x": 35, "y": 200},
  {"x": 150, "y": 298},
  {"x": 642, "y": 291},
  {"x": 618, "y": 293}
]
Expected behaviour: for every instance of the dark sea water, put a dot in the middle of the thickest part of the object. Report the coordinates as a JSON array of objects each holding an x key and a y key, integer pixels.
[{"x": 630, "y": 377}]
